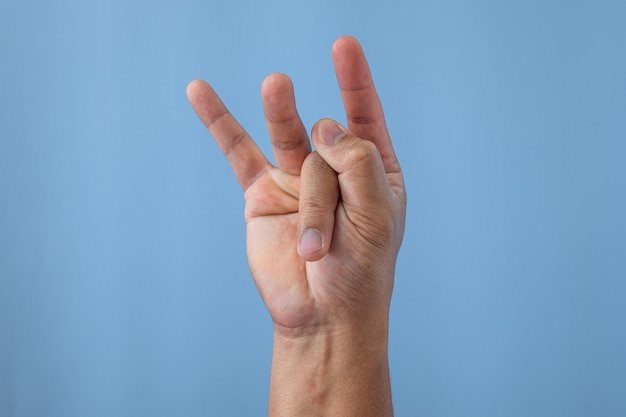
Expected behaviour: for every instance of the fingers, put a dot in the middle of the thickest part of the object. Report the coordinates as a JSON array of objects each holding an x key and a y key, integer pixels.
[
  {"x": 290, "y": 142},
  {"x": 245, "y": 158},
  {"x": 361, "y": 176},
  {"x": 363, "y": 108},
  {"x": 319, "y": 194}
]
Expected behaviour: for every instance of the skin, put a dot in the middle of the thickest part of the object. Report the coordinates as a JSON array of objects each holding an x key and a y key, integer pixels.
[{"x": 323, "y": 232}]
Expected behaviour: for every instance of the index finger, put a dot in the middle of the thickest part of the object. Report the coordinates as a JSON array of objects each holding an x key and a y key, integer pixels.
[
  {"x": 245, "y": 158},
  {"x": 363, "y": 108}
]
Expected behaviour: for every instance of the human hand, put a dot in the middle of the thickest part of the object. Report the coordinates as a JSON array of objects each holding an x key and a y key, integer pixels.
[
  {"x": 323, "y": 232},
  {"x": 323, "y": 228}
]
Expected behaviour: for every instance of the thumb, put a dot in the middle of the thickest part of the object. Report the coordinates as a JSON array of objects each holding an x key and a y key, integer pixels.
[
  {"x": 362, "y": 179},
  {"x": 319, "y": 195}
]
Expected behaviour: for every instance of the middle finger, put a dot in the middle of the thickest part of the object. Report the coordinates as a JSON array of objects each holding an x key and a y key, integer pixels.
[{"x": 290, "y": 142}]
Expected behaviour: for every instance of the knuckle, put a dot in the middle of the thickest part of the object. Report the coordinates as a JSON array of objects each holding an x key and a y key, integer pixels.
[
  {"x": 286, "y": 144},
  {"x": 316, "y": 164},
  {"x": 361, "y": 152},
  {"x": 234, "y": 141},
  {"x": 377, "y": 230},
  {"x": 313, "y": 204},
  {"x": 365, "y": 119},
  {"x": 314, "y": 158}
]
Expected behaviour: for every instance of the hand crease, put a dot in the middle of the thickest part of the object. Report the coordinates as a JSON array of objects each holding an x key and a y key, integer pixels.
[
  {"x": 364, "y": 119},
  {"x": 217, "y": 118},
  {"x": 235, "y": 141}
]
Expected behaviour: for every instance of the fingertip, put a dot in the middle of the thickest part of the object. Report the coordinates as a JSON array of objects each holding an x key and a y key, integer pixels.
[
  {"x": 189, "y": 91},
  {"x": 196, "y": 90},
  {"x": 193, "y": 86},
  {"x": 345, "y": 44},
  {"x": 274, "y": 80},
  {"x": 275, "y": 87},
  {"x": 345, "y": 41},
  {"x": 328, "y": 131},
  {"x": 311, "y": 245}
]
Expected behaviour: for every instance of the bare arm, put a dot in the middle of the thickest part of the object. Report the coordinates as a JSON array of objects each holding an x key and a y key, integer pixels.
[{"x": 323, "y": 232}]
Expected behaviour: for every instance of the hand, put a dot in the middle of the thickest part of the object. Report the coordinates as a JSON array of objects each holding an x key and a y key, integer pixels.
[
  {"x": 323, "y": 228},
  {"x": 323, "y": 232}
]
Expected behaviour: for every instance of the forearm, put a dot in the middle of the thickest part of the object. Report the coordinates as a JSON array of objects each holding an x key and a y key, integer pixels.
[
  {"x": 343, "y": 372},
  {"x": 343, "y": 208}
]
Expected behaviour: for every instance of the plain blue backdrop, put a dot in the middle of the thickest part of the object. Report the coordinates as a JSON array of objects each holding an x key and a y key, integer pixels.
[{"x": 124, "y": 288}]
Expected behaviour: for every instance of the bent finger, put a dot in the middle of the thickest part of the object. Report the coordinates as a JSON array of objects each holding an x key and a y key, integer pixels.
[
  {"x": 362, "y": 179},
  {"x": 319, "y": 195},
  {"x": 245, "y": 158}
]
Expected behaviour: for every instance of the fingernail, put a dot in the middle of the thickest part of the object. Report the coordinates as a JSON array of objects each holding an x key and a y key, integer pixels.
[
  {"x": 330, "y": 132},
  {"x": 310, "y": 241}
]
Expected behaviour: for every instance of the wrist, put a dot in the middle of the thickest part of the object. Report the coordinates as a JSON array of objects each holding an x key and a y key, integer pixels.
[
  {"x": 332, "y": 346},
  {"x": 339, "y": 370}
]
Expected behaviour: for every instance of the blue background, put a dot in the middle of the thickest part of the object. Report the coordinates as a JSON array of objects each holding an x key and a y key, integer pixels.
[{"x": 124, "y": 288}]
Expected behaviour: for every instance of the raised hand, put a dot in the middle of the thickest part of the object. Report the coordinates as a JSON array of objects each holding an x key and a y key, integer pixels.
[
  {"x": 324, "y": 227},
  {"x": 323, "y": 231}
]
